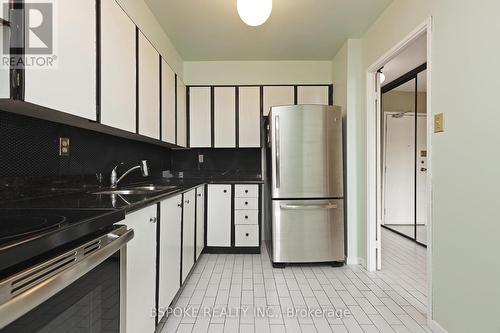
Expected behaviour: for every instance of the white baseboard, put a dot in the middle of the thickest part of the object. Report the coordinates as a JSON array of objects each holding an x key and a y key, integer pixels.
[
  {"x": 356, "y": 261},
  {"x": 436, "y": 328}
]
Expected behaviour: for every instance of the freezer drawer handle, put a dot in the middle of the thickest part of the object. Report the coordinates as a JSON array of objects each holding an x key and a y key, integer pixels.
[{"x": 301, "y": 207}]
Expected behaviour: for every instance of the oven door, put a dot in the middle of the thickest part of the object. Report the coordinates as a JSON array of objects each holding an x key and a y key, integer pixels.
[{"x": 78, "y": 291}]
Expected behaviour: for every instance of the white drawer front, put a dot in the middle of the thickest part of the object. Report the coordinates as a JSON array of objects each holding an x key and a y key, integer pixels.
[
  {"x": 246, "y": 235},
  {"x": 246, "y": 217},
  {"x": 246, "y": 203},
  {"x": 246, "y": 191}
]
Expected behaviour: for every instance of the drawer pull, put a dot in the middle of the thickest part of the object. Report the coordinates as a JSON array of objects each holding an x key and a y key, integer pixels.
[
  {"x": 246, "y": 202},
  {"x": 246, "y": 217},
  {"x": 199, "y": 194},
  {"x": 153, "y": 220},
  {"x": 179, "y": 205},
  {"x": 187, "y": 201},
  {"x": 246, "y": 191},
  {"x": 225, "y": 191},
  {"x": 247, "y": 234}
]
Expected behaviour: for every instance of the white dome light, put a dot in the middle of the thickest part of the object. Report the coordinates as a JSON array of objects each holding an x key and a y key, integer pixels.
[{"x": 254, "y": 12}]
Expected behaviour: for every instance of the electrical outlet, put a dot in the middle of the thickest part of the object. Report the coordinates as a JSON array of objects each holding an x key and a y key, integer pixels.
[
  {"x": 439, "y": 123},
  {"x": 63, "y": 146},
  {"x": 200, "y": 158}
]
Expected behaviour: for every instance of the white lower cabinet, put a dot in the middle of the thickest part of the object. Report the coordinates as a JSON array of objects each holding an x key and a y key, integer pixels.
[
  {"x": 200, "y": 220},
  {"x": 188, "y": 231},
  {"x": 219, "y": 215},
  {"x": 246, "y": 215},
  {"x": 140, "y": 279},
  {"x": 170, "y": 251},
  {"x": 246, "y": 235}
]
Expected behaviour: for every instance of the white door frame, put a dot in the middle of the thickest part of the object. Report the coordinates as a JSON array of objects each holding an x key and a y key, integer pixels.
[{"x": 373, "y": 175}]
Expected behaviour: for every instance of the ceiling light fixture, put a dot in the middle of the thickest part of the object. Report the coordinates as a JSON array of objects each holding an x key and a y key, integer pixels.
[{"x": 254, "y": 12}]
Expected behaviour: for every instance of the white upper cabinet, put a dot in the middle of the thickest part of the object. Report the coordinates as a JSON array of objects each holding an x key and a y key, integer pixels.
[
  {"x": 312, "y": 95},
  {"x": 277, "y": 95},
  {"x": 149, "y": 89},
  {"x": 71, "y": 86},
  {"x": 181, "y": 114},
  {"x": 200, "y": 134},
  {"x": 167, "y": 103},
  {"x": 249, "y": 117},
  {"x": 3, "y": 14},
  {"x": 225, "y": 117},
  {"x": 118, "y": 68},
  {"x": 4, "y": 71}
]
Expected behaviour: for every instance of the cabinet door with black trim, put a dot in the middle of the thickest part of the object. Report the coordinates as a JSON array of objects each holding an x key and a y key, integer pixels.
[
  {"x": 167, "y": 103},
  {"x": 188, "y": 231},
  {"x": 149, "y": 89},
  {"x": 67, "y": 81},
  {"x": 225, "y": 117},
  {"x": 181, "y": 114},
  {"x": 200, "y": 126},
  {"x": 312, "y": 95},
  {"x": 170, "y": 251},
  {"x": 118, "y": 68},
  {"x": 249, "y": 117}
]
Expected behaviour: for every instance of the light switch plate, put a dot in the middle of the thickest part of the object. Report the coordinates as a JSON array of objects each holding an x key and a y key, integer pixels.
[
  {"x": 200, "y": 158},
  {"x": 439, "y": 123},
  {"x": 63, "y": 146}
]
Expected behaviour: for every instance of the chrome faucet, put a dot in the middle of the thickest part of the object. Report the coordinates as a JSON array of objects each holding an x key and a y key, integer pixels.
[{"x": 144, "y": 170}]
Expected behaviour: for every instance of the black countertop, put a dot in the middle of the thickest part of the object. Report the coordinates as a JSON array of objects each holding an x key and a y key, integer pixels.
[
  {"x": 112, "y": 207},
  {"x": 86, "y": 199}
]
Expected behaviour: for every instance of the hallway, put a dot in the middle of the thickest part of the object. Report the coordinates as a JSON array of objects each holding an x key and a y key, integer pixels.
[{"x": 392, "y": 300}]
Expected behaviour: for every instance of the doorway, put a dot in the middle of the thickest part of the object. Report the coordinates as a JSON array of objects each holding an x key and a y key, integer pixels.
[
  {"x": 404, "y": 151},
  {"x": 374, "y": 153}
]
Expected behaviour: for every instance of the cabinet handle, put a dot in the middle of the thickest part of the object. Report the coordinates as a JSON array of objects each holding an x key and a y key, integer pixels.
[
  {"x": 179, "y": 205},
  {"x": 246, "y": 216},
  {"x": 247, "y": 234},
  {"x": 246, "y": 191},
  {"x": 199, "y": 194},
  {"x": 225, "y": 191},
  {"x": 246, "y": 202},
  {"x": 153, "y": 220},
  {"x": 187, "y": 201}
]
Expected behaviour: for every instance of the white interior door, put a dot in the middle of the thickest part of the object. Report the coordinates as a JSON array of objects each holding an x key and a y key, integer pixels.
[
  {"x": 421, "y": 170},
  {"x": 399, "y": 176}
]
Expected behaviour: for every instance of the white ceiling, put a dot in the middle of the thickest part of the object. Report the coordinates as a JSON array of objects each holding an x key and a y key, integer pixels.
[
  {"x": 208, "y": 30},
  {"x": 410, "y": 58}
]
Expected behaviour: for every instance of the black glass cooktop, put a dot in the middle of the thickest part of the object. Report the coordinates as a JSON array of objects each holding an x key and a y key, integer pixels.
[{"x": 26, "y": 233}]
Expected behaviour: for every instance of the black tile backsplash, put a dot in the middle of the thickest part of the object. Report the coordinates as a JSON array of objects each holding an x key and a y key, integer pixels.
[
  {"x": 29, "y": 147},
  {"x": 246, "y": 160},
  {"x": 30, "y": 162}
]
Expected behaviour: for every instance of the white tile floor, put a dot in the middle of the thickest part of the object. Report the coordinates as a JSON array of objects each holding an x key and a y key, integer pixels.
[{"x": 391, "y": 300}]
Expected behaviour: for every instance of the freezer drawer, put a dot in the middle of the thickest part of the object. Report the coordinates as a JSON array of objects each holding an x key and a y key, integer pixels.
[{"x": 308, "y": 231}]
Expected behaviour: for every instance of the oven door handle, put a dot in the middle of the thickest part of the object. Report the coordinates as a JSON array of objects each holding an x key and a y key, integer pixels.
[{"x": 24, "y": 291}]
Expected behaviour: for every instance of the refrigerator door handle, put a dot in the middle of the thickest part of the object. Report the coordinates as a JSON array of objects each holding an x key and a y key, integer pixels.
[
  {"x": 277, "y": 141},
  {"x": 303, "y": 207}
]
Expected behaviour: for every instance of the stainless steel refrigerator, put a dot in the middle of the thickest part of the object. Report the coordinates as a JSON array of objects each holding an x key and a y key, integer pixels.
[{"x": 307, "y": 204}]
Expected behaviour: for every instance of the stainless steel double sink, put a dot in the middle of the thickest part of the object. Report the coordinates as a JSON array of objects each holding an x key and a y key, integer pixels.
[{"x": 137, "y": 190}]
